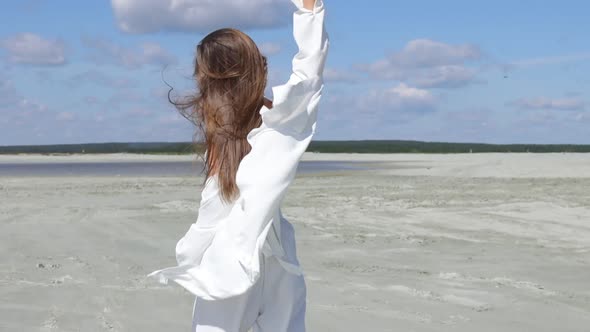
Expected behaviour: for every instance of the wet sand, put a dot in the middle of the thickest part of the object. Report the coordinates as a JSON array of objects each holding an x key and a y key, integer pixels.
[{"x": 471, "y": 242}]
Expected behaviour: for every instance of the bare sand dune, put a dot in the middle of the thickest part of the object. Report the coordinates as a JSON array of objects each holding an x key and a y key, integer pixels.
[{"x": 474, "y": 242}]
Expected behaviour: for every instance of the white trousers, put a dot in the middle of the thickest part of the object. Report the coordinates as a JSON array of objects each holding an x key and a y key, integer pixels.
[{"x": 276, "y": 303}]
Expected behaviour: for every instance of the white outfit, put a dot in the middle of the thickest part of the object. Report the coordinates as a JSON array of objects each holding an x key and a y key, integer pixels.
[
  {"x": 275, "y": 303},
  {"x": 240, "y": 259}
]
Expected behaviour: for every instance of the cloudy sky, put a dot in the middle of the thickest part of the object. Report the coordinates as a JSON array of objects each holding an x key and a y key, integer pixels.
[{"x": 460, "y": 71}]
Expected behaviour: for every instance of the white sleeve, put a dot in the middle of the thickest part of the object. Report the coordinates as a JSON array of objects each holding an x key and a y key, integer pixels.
[
  {"x": 225, "y": 261},
  {"x": 295, "y": 102}
]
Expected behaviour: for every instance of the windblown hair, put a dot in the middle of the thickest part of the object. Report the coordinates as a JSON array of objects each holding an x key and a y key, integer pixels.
[{"x": 231, "y": 75}]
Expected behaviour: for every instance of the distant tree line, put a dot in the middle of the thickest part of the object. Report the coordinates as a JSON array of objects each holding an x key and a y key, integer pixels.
[
  {"x": 398, "y": 146},
  {"x": 363, "y": 146},
  {"x": 151, "y": 148}
]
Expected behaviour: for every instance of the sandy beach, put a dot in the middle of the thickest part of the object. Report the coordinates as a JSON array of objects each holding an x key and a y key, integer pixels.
[{"x": 457, "y": 242}]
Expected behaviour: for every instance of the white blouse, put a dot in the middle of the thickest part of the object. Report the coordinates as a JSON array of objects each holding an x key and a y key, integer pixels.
[{"x": 219, "y": 256}]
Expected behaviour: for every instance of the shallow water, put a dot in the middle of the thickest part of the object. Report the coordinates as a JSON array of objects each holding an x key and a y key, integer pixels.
[{"x": 171, "y": 168}]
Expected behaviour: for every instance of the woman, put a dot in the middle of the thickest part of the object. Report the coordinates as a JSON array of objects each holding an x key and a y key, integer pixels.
[{"x": 239, "y": 257}]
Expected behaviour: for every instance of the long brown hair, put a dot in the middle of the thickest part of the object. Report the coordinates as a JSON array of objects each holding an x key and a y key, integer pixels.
[{"x": 231, "y": 75}]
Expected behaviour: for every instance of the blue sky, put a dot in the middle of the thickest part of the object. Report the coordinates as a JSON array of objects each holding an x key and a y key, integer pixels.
[{"x": 457, "y": 71}]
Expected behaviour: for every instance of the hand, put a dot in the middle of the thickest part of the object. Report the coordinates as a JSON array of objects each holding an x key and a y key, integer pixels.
[
  {"x": 309, "y": 4},
  {"x": 267, "y": 103}
]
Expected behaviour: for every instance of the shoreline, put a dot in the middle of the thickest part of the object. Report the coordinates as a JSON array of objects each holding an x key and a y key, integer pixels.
[
  {"x": 468, "y": 165},
  {"x": 307, "y": 156}
]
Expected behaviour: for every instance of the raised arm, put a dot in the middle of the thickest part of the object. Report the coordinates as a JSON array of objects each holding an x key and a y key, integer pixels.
[{"x": 295, "y": 102}]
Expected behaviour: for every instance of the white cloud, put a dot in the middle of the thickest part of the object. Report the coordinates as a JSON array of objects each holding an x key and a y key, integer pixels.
[
  {"x": 401, "y": 98},
  {"x": 65, "y": 116},
  {"x": 429, "y": 53},
  {"x": 17, "y": 111},
  {"x": 544, "y": 103},
  {"x": 428, "y": 64},
  {"x": 153, "y": 53},
  {"x": 557, "y": 60},
  {"x": 451, "y": 76},
  {"x": 471, "y": 115},
  {"x": 12, "y": 101},
  {"x": 29, "y": 48},
  {"x": 139, "y": 111},
  {"x": 100, "y": 78},
  {"x": 91, "y": 100},
  {"x": 145, "y": 16},
  {"x": 338, "y": 75},
  {"x": 8, "y": 94},
  {"x": 107, "y": 52},
  {"x": 550, "y": 60},
  {"x": 30, "y": 107},
  {"x": 125, "y": 97},
  {"x": 269, "y": 48}
]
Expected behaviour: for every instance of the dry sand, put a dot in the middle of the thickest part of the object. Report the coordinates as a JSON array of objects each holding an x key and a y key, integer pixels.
[{"x": 472, "y": 242}]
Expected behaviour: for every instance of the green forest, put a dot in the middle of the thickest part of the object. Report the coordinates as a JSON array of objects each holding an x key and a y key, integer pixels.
[{"x": 362, "y": 146}]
